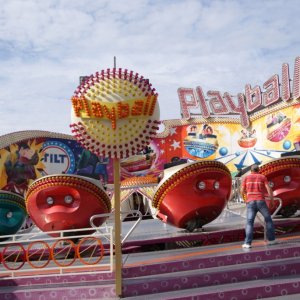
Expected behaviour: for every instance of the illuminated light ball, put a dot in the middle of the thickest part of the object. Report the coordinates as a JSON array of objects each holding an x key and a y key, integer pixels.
[
  {"x": 124, "y": 120},
  {"x": 223, "y": 151},
  {"x": 286, "y": 145},
  {"x": 238, "y": 153}
]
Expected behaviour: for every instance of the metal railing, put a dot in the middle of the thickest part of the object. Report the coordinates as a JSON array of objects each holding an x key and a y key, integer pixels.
[
  {"x": 28, "y": 254},
  {"x": 133, "y": 227},
  {"x": 57, "y": 252}
]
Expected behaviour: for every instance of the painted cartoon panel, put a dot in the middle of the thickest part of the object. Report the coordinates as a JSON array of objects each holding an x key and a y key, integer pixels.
[
  {"x": 23, "y": 162},
  {"x": 271, "y": 133},
  {"x": 201, "y": 142},
  {"x": 146, "y": 162}
]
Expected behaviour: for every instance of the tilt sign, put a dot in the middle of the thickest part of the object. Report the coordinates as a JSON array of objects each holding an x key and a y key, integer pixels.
[
  {"x": 56, "y": 158},
  {"x": 253, "y": 99}
]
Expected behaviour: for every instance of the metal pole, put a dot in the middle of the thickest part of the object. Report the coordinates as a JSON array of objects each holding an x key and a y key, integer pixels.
[{"x": 118, "y": 248}]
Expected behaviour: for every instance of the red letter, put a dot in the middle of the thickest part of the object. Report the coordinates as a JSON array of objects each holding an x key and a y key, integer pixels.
[
  {"x": 217, "y": 103},
  {"x": 203, "y": 105},
  {"x": 241, "y": 108},
  {"x": 271, "y": 95},
  {"x": 253, "y": 97},
  {"x": 187, "y": 101},
  {"x": 296, "y": 85},
  {"x": 285, "y": 89}
]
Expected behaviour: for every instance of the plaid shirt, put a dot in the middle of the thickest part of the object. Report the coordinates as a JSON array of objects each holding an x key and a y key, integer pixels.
[{"x": 254, "y": 186}]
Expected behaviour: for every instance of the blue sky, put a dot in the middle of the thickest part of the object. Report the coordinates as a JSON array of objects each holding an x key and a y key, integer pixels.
[{"x": 45, "y": 45}]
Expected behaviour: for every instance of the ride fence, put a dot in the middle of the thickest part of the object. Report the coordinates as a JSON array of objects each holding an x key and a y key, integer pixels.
[{"x": 58, "y": 252}]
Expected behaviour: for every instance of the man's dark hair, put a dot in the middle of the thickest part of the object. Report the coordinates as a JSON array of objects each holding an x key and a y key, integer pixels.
[{"x": 255, "y": 168}]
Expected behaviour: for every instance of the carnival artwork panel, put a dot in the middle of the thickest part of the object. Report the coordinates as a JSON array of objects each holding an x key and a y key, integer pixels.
[
  {"x": 237, "y": 147},
  {"x": 24, "y": 161}
]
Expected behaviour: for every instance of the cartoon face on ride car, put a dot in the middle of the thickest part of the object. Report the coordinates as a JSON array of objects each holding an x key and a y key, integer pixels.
[{"x": 60, "y": 202}]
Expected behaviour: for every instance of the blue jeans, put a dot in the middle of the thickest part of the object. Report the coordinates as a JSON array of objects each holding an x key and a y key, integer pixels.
[{"x": 252, "y": 208}]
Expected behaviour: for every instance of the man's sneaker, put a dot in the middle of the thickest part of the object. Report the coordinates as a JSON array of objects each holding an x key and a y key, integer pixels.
[
  {"x": 246, "y": 246},
  {"x": 270, "y": 243}
]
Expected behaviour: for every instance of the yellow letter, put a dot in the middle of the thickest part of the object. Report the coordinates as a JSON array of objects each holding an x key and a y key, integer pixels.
[
  {"x": 137, "y": 108},
  {"x": 123, "y": 110}
]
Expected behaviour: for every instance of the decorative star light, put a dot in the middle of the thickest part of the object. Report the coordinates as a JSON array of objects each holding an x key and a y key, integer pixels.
[
  {"x": 297, "y": 110},
  {"x": 172, "y": 130},
  {"x": 176, "y": 145}
]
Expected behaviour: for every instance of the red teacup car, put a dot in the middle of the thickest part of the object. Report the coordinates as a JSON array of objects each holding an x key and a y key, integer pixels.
[
  {"x": 61, "y": 202},
  {"x": 193, "y": 194},
  {"x": 284, "y": 178}
]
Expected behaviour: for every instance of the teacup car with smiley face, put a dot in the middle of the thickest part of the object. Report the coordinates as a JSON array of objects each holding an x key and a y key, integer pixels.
[
  {"x": 61, "y": 202},
  {"x": 193, "y": 194}
]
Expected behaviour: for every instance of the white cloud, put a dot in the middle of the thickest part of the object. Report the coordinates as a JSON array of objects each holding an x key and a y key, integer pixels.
[{"x": 222, "y": 45}]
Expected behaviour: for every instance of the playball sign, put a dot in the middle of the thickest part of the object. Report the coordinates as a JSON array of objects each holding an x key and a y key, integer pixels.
[
  {"x": 247, "y": 104},
  {"x": 115, "y": 113}
]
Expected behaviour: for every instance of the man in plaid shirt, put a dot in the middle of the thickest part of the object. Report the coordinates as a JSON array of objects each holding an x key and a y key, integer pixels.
[{"x": 255, "y": 186}]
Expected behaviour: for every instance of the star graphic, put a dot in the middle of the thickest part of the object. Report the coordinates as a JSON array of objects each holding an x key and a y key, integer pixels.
[
  {"x": 297, "y": 110},
  {"x": 172, "y": 130},
  {"x": 162, "y": 141},
  {"x": 162, "y": 151},
  {"x": 175, "y": 145}
]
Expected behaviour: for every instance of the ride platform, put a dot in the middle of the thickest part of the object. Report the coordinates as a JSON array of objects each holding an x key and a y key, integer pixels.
[{"x": 163, "y": 262}]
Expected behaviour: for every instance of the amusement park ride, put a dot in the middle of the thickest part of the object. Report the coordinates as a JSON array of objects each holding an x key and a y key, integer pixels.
[{"x": 184, "y": 176}]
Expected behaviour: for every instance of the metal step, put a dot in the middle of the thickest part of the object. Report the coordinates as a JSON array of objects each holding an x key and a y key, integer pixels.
[
  {"x": 247, "y": 290},
  {"x": 211, "y": 277},
  {"x": 207, "y": 257}
]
